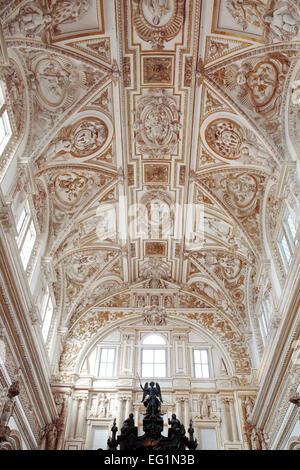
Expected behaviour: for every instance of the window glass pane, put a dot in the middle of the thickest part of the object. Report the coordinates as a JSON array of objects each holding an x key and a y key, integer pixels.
[
  {"x": 291, "y": 226},
  {"x": 205, "y": 371},
  {"x": 109, "y": 369},
  {"x": 28, "y": 244},
  {"x": 5, "y": 130},
  {"x": 102, "y": 369},
  {"x": 159, "y": 370},
  {"x": 22, "y": 219},
  {"x": 147, "y": 355},
  {"x": 147, "y": 370},
  {"x": 198, "y": 371},
  {"x": 154, "y": 339},
  {"x": 201, "y": 363},
  {"x": 2, "y": 130},
  {"x": 104, "y": 355},
  {"x": 197, "y": 357},
  {"x": 204, "y": 359},
  {"x": 159, "y": 356},
  {"x": 110, "y": 355},
  {"x": 1, "y": 97},
  {"x": 47, "y": 319},
  {"x": 286, "y": 250},
  {"x": 107, "y": 359}
]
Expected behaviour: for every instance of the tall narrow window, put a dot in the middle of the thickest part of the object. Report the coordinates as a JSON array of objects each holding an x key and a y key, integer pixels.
[
  {"x": 26, "y": 234},
  {"x": 47, "y": 316},
  {"x": 107, "y": 360},
  {"x": 5, "y": 128},
  {"x": 201, "y": 364},
  {"x": 154, "y": 357},
  {"x": 285, "y": 249},
  {"x": 154, "y": 363},
  {"x": 287, "y": 239}
]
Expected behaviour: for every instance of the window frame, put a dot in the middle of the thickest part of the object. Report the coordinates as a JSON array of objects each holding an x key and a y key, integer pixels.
[
  {"x": 154, "y": 347},
  {"x": 101, "y": 348},
  {"x": 208, "y": 362},
  {"x": 290, "y": 242},
  {"x": 47, "y": 299},
  {"x": 4, "y": 118},
  {"x": 26, "y": 226},
  {"x": 154, "y": 363}
]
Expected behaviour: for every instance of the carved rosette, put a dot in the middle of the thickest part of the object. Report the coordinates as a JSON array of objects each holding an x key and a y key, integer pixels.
[{"x": 158, "y": 22}]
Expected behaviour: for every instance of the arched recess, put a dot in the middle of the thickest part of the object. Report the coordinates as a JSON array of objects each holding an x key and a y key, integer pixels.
[
  {"x": 96, "y": 324},
  {"x": 173, "y": 323}
]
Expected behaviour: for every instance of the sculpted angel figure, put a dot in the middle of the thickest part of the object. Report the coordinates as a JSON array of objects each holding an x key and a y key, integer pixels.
[
  {"x": 282, "y": 23},
  {"x": 152, "y": 398},
  {"x": 30, "y": 21},
  {"x": 68, "y": 11},
  {"x": 158, "y": 8},
  {"x": 246, "y": 11}
]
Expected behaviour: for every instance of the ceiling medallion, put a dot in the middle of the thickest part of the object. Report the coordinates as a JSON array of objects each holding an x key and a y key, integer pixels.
[
  {"x": 69, "y": 187},
  {"x": 158, "y": 21},
  {"x": 157, "y": 124},
  {"x": 225, "y": 137},
  {"x": 88, "y": 136}
]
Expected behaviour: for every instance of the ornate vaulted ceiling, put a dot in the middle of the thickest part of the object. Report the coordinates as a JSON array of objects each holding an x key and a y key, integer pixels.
[{"x": 155, "y": 131}]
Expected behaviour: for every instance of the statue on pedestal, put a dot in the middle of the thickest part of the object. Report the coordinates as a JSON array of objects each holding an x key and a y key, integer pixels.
[{"x": 153, "y": 425}]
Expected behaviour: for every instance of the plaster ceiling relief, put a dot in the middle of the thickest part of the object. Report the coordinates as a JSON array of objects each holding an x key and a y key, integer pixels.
[
  {"x": 240, "y": 193},
  {"x": 294, "y": 112},
  {"x": 55, "y": 20},
  {"x": 270, "y": 21},
  {"x": 98, "y": 48},
  {"x": 157, "y": 22},
  {"x": 229, "y": 140},
  {"x": 217, "y": 47},
  {"x": 229, "y": 271},
  {"x": 16, "y": 89},
  {"x": 256, "y": 84},
  {"x": 139, "y": 109},
  {"x": 157, "y": 124},
  {"x": 86, "y": 138},
  {"x": 57, "y": 85}
]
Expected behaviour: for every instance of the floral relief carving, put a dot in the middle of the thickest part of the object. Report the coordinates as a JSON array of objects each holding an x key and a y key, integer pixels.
[{"x": 158, "y": 21}]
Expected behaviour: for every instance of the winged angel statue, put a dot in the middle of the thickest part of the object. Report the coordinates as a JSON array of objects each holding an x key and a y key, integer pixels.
[{"x": 152, "y": 398}]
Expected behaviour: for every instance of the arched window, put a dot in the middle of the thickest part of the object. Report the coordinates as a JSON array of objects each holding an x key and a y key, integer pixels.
[{"x": 154, "y": 356}]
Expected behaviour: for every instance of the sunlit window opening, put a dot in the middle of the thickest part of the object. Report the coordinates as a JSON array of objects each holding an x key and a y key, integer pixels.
[
  {"x": 107, "y": 360},
  {"x": 201, "y": 365},
  {"x": 47, "y": 314},
  {"x": 5, "y": 128}
]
